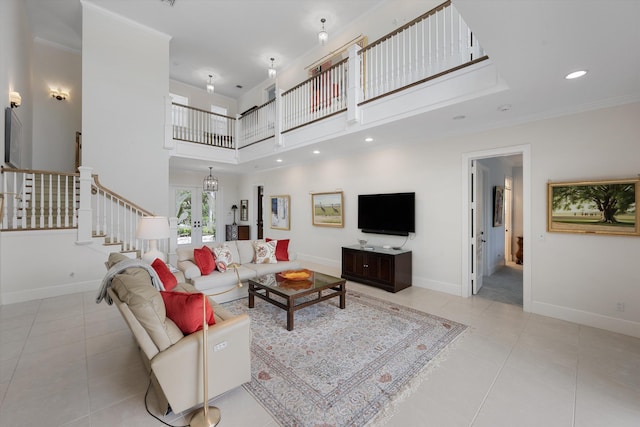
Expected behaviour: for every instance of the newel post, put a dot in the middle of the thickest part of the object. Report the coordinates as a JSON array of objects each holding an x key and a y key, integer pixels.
[
  {"x": 353, "y": 90},
  {"x": 84, "y": 211}
]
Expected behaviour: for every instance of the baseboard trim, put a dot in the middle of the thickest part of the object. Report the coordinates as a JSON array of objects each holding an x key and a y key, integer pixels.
[
  {"x": 435, "y": 285},
  {"x": 50, "y": 291},
  {"x": 621, "y": 326}
]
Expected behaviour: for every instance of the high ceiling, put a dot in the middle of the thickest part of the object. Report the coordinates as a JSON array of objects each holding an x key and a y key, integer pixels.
[
  {"x": 533, "y": 43},
  {"x": 231, "y": 39}
]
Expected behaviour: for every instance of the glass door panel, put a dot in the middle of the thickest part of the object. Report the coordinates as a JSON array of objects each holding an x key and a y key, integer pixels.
[{"x": 196, "y": 215}]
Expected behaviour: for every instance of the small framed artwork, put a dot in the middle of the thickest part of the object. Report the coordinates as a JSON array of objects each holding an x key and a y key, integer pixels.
[
  {"x": 328, "y": 209},
  {"x": 280, "y": 206},
  {"x": 244, "y": 210},
  {"x": 594, "y": 207},
  {"x": 498, "y": 206}
]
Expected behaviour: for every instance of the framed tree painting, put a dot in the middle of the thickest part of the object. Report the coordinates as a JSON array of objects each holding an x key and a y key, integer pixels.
[
  {"x": 595, "y": 207},
  {"x": 328, "y": 209},
  {"x": 280, "y": 206}
]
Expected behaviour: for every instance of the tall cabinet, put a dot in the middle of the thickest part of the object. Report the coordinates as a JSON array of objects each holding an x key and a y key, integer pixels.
[{"x": 388, "y": 269}]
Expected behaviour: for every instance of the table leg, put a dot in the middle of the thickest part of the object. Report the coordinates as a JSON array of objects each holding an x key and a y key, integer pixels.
[
  {"x": 343, "y": 296},
  {"x": 251, "y": 297},
  {"x": 290, "y": 312}
]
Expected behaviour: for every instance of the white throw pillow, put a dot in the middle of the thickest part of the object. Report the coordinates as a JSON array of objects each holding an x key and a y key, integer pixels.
[
  {"x": 265, "y": 252},
  {"x": 223, "y": 257}
]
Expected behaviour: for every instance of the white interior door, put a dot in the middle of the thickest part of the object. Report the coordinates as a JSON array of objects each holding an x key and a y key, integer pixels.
[
  {"x": 477, "y": 238},
  {"x": 508, "y": 208}
]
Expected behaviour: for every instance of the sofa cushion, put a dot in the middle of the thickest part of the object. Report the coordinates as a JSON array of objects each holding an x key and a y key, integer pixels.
[
  {"x": 204, "y": 259},
  {"x": 265, "y": 252},
  {"x": 185, "y": 309},
  {"x": 166, "y": 276},
  {"x": 246, "y": 252},
  {"x": 217, "y": 281},
  {"x": 262, "y": 269},
  {"x": 147, "y": 306},
  {"x": 282, "y": 249}
]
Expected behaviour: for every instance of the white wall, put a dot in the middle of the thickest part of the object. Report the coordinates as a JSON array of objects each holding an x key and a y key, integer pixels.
[
  {"x": 15, "y": 70},
  {"x": 55, "y": 123},
  {"x": 575, "y": 277},
  {"x": 199, "y": 98},
  {"x": 41, "y": 264},
  {"x": 125, "y": 82}
]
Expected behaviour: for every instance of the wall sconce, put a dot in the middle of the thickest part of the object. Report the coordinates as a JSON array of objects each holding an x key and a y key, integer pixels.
[
  {"x": 59, "y": 95},
  {"x": 15, "y": 100}
]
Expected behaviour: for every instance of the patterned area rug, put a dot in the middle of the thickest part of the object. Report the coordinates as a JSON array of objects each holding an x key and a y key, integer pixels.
[{"x": 340, "y": 367}]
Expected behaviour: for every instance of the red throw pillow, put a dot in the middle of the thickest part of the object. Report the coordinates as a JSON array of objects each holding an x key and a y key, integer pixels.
[
  {"x": 204, "y": 259},
  {"x": 166, "y": 276},
  {"x": 185, "y": 309},
  {"x": 282, "y": 249}
]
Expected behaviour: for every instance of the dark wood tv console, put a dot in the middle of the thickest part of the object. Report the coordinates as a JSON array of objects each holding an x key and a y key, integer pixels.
[{"x": 387, "y": 269}]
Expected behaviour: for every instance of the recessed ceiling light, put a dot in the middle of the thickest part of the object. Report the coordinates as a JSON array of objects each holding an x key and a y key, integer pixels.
[
  {"x": 460, "y": 117},
  {"x": 575, "y": 74},
  {"x": 316, "y": 152},
  {"x": 279, "y": 160},
  {"x": 369, "y": 139},
  {"x": 504, "y": 107}
]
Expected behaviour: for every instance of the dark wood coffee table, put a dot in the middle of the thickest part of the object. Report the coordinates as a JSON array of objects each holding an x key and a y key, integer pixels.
[{"x": 287, "y": 293}]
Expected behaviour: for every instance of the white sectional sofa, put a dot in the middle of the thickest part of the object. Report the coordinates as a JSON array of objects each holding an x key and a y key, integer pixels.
[{"x": 217, "y": 282}]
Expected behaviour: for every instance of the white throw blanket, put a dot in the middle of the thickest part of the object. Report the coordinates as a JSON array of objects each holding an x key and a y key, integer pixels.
[{"x": 119, "y": 268}]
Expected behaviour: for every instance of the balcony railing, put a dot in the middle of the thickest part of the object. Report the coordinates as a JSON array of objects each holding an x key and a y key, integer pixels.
[
  {"x": 435, "y": 43},
  {"x": 258, "y": 124},
  {"x": 203, "y": 127},
  {"x": 316, "y": 98}
]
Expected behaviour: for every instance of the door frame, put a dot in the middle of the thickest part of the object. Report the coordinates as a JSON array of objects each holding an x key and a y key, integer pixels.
[{"x": 525, "y": 151}]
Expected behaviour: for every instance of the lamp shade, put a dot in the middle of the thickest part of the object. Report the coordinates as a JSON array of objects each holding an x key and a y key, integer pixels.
[{"x": 152, "y": 228}]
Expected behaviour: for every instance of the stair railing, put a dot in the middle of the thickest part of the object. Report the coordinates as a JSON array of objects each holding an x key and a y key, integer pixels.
[
  {"x": 38, "y": 200},
  {"x": 116, "y": 218},
  {"x": 203, "y": 127}
]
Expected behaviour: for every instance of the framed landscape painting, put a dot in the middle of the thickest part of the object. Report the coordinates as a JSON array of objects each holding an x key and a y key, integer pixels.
[
  {"x": 280, "y": 212},
  {"x": 595, "y": 207},
  {"x": 327, "y": 209}
]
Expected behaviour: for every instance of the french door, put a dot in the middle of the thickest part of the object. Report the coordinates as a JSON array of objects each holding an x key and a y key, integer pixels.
[{"x": 196, "y": 213}]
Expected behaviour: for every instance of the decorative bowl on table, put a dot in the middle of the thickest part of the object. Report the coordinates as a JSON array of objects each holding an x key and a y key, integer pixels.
[{"x": 294, "y": 275}]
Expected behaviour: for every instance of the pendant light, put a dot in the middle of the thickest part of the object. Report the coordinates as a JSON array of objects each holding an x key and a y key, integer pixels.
[
  {"x": 210, "y": 87},
  {"x": 323, "y": 36},
  {"x": 271, "y": 71},
  {"x": 210, "y": 183}
]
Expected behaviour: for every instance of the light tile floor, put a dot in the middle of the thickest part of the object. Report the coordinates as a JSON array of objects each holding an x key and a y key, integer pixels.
[{"x": 66, "y": 361}]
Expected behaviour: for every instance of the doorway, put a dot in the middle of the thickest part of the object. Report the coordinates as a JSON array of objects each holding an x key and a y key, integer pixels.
[
  {"x": 259, "y": 220},
  {"x": 196, "y": 213},
  {"x": 487, "y": 256}
]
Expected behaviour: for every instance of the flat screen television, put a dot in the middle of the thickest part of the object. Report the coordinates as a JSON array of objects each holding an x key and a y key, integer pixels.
[{"x": 392, "y": 213}]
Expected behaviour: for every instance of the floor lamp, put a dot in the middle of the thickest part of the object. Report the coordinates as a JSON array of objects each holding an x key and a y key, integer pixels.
[
  {"x": 207, "y": 416},
  {"x": 153, "y": 228}
]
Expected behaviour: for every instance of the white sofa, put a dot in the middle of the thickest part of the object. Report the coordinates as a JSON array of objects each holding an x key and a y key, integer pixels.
[{"x": 216, "y": 282}]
